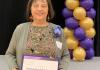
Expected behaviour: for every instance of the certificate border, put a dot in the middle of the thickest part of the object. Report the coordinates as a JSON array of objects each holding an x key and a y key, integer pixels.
[{"x": 26, "y": 56}]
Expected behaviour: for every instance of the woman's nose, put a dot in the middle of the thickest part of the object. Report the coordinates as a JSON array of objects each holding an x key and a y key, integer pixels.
[{"x": 39, "y": 8}]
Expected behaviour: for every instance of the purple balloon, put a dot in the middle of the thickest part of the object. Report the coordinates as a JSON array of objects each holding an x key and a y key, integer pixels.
[
  {"x": 91, "y": 13},
  {"x": 87, "y": 4},
  {"x": 79, "y": 33},
  {"x": 87, "y": 44},
  {"x": 90, "y": 53},
  {"x": 71, "y": 23},
  {"x": 67, "y": 13},
  {"x": 84, "y": 0}
]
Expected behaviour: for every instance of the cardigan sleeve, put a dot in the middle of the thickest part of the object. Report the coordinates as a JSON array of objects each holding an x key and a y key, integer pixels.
[
  {"x": 11, "y": 51},
  {"x": 65, "y": 58}
]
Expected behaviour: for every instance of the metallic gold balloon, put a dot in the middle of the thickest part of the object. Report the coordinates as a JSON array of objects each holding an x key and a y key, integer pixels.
[
  {"x": 79, "y": 13},
  {"x": 71, "y": 4},
  {"x": 68, "y": 32},
  {"x": 90, "y": 33},
  {"x": 79, "y": 54},
  {"x": 86, "y": 23},
  {"x": 71, "y": 43}
]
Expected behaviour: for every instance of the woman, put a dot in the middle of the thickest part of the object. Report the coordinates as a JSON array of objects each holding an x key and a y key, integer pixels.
[{"x": 37, "y": 37}]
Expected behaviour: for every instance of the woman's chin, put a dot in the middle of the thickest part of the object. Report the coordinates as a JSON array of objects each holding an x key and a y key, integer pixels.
[{"x": 40, "y": 18}]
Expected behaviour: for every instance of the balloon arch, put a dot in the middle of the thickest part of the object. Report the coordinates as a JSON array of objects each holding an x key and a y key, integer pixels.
[{"x": 79, "y": 31}]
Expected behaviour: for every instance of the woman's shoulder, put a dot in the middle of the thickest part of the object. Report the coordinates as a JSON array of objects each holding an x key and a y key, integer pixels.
[
  {"x": 22, "y": 25},
  {"x": 54, "y": 25},
  {"x": 57, "y": 28}
]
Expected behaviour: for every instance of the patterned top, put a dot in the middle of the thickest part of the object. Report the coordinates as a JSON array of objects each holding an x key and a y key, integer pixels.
[{"x": 40, "y": 41}]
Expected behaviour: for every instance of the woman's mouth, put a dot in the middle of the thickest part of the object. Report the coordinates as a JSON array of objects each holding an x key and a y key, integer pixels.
[{"x": 40, "y": 14}]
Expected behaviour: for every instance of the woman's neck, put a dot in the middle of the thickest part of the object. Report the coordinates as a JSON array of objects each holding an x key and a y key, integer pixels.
[{"x": 40, "y": 23}]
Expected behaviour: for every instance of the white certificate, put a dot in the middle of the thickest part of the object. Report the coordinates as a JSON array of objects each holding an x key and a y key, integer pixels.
[{"x": 39, "y": 63}]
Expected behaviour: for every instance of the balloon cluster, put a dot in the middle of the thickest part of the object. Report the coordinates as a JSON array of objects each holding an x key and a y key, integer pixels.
[{"x": 79, "y": 31}]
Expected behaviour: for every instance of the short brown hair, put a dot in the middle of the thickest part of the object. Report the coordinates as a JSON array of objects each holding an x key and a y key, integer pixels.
[{"x": 50, "y": 11}]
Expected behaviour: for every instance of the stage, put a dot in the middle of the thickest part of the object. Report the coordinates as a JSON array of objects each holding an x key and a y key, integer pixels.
[{"x": 93, "y": 64}]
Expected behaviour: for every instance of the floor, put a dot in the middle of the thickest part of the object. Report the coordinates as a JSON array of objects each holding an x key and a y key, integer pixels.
[{"x": 93, "y": 64}]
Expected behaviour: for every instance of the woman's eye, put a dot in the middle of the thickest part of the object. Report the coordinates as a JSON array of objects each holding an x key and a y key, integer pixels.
[
  {"x": 35, "y": 5},
  {"x": 44, "y": 5}
]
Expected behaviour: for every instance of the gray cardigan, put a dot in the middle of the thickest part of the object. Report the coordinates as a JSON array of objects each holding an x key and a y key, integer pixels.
[{"x": 18, "y": 44}]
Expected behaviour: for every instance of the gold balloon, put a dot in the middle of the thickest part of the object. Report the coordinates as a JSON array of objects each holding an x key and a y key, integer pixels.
[
  {"x": 79, "y": 13},
  {"x": 68, "y": 33},
  {"x": 90, "y": 33},
  {"x": 79, "y": 54},
  {"x": 71, "y": 43},
  {"x": 87, "y": 23},
  {"x": 71, "y": 4}
]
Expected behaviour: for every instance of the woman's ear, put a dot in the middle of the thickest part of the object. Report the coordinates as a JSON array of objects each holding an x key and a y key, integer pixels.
[
  {"x": 31, "y": 18},
  {"x": 48, "y": 18}
]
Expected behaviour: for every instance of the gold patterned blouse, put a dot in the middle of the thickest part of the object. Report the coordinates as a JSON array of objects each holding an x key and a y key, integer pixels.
[{"x": 40, "y": 41}]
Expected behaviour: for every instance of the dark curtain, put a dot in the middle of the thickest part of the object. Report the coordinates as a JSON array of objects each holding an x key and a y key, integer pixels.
[
  {"x": 97, "y": 27},
  {"x": 12, "y": 13}
]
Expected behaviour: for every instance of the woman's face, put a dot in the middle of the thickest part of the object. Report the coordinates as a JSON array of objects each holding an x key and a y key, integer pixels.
[{"x": 39, "y": 9}]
